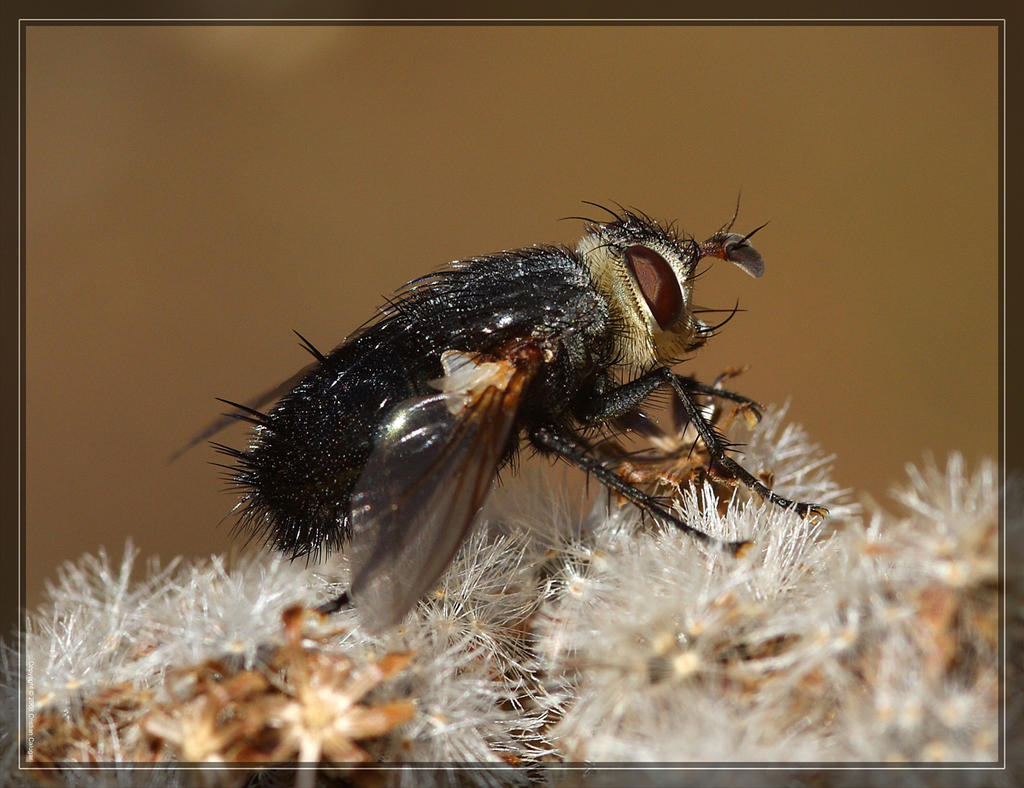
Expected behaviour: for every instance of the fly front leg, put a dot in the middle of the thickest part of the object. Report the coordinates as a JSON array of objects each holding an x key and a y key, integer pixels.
[
  {"x": 696, "y": 386},
  {"x": 622, "y": 400},
  {"x": 604, "y": 405},
  {"x": 717, "y": 448},
  {"x": 608, "y": 401}
]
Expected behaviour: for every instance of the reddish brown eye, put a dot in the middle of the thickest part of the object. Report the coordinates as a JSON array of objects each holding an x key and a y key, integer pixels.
[{"x": 658, "y": 284}]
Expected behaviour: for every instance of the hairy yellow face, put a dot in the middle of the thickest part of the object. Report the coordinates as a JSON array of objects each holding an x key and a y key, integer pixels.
[{"x": 645, "y": 272}]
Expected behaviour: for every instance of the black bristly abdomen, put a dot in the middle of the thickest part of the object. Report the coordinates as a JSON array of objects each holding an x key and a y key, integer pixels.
[{"x": 304, "y": 459}]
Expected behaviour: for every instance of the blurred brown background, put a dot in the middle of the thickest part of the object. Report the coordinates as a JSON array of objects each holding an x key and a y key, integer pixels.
[{"x": 194, "y": 193}]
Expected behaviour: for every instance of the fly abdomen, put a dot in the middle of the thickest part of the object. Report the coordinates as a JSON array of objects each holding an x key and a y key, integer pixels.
[{"x": 306, "y": 454}]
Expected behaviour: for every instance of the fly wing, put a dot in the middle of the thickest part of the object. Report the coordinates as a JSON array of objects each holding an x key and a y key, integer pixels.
[
  {"x": 227, "y": 419},
  {"x": 426, "y": 479}
]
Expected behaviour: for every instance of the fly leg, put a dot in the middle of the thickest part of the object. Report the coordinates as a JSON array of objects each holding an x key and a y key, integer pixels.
[
  {"x": 696, "y": 386},
  {"x": 549, "y": 440},
  {"x": 334, "y": 605},
  {"x": 622, "y": 400},
  {"x": 717, "y": 448},
  {"x": 606, "y": 404}
]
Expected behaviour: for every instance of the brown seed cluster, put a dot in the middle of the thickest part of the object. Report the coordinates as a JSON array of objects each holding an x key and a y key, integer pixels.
[{"x": 301, "y": 702}]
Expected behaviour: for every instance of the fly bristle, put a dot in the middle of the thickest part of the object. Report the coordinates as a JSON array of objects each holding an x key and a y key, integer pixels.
[
  {"x": 230, "y": 451},
  {"x": 293, "y": 480},
  {"x": 255, "y": 416},
  {"x": 309, "y": 347}
]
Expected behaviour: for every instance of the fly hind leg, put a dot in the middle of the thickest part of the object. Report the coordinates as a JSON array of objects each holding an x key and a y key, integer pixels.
[{"x": 334, "y": 605}]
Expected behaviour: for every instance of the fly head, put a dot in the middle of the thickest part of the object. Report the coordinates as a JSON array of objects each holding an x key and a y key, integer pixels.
[{"x": 646, "y": 272}]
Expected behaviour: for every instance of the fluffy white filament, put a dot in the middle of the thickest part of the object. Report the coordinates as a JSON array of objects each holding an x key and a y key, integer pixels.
[{"x": 567, "y": 630}]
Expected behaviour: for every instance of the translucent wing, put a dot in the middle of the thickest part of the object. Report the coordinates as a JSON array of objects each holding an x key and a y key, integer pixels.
[{"x": 424, "y": 482}]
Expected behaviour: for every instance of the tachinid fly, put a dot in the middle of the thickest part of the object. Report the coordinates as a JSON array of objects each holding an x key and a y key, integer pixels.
[{"x": 388, "y": 444}]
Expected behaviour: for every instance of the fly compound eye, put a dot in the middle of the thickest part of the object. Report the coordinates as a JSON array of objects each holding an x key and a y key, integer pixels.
[{"x": 658, "y": 283}]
